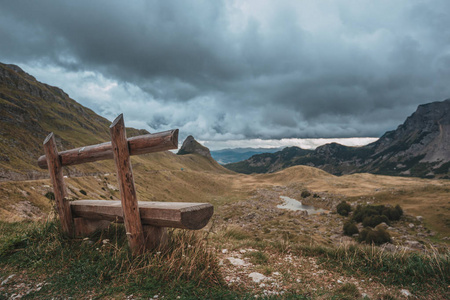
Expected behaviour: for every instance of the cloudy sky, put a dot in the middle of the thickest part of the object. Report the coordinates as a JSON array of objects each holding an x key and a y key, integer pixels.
[{"x": 238, "y": 70}]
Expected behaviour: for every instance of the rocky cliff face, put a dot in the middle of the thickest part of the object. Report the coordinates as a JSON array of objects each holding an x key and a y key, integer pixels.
[
  {"x": 191, "y": 146},
  {"x": 419, "y": 147}
]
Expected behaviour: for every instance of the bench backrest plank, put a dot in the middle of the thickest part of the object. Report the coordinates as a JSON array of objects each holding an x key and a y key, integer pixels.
[{"x": 142, "y": 144}]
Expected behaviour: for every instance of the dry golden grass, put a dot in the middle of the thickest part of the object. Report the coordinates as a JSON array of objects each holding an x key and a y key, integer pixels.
[{"x": 192, "y": 178}]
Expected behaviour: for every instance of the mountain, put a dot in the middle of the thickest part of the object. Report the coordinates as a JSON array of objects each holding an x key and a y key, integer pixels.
[
  {"x": 30, "y": 110},
  {"x": 191, "y": 146},
  {"x": 419, "y": 147},
  {"x": 226, "y": 156}
]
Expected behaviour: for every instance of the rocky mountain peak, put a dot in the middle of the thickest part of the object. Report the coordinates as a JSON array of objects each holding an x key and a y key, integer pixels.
[{"x": 191, "y": 146}]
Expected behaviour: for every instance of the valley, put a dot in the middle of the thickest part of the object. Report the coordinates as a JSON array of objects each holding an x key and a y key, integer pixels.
[{"x": 251, "y": 237}]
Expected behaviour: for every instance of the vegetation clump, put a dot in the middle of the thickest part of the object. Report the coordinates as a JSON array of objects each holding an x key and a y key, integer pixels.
[
  {"x": 391, "y": 213},
  {"x": 370, "y": 216},
  {"x": 50, "y": 195},
  {"x": 374, "y": 220},
  {"x": 350, "y": 228},
  {"x": 378, "y": 236},
  {"x": 305, "y": 194},
  {"x": 343, "y": 208}
]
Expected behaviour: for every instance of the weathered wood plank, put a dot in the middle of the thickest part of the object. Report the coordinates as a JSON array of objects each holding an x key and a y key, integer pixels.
[
  {"x": 142, "y": 144},
  {"x": 163, "y": 214},
  {"x": 125, "y": 179},
  {"x": 59, "y": 188}
]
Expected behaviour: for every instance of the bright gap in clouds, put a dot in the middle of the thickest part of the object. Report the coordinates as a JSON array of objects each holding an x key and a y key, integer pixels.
[{"x": 302, "y": 143}]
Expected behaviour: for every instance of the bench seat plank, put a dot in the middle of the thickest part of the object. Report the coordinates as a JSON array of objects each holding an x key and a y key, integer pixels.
[{"x": 163, "y": 214}]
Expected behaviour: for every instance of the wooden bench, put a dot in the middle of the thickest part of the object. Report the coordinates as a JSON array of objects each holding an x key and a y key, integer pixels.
[{"x": 145, "y": 222}]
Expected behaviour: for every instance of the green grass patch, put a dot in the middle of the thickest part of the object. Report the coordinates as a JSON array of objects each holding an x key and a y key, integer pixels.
[{"x": 257, "y": 257}]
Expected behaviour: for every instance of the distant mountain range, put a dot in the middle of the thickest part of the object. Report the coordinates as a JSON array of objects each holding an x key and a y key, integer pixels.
[
  {"x": 419, "y": 147},
  {"x": 226, "y": 156}
]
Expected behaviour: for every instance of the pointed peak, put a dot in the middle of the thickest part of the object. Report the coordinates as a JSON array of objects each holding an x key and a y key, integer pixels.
[{"x": 191, "y": 146}]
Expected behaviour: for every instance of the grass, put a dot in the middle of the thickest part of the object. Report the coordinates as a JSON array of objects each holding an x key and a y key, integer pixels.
[
  {"x": 419, "y": 272},
  {"x": 103, "y": 267},
  {"x": 257, "y": 257}
]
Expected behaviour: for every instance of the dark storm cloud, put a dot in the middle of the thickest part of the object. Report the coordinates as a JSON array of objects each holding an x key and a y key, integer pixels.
[{"x": 238, "y": 69}]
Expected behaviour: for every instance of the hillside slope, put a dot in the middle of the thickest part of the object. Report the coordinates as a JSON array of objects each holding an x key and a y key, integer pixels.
[
  {"x": 31, "y": 109},
  {"x": 419, "y": 147}
]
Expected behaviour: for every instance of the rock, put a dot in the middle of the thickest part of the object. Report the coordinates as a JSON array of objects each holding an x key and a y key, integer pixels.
[
  {"x": 382, "y": 225},
  {"x": 256, "y": 277},
  {"x": 191, "y": 146},
  {"x": 237, "y": 261},
  {"x": 390, "y": 247},
  {"x": 297, "y": 222},
  {"x": 415, "y": 244},
  {"x": 419, "y": 218},
  {"x": 405, "y": 293},
  {"x": 224, "y": 251},
  {"x": 111, "y": 187},
  {"x": 411, "y": 225},
  {"x": 7, "y": 279}
]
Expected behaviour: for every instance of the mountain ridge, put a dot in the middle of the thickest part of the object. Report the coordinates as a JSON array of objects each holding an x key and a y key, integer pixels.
[{"x": 419, "y": 147}]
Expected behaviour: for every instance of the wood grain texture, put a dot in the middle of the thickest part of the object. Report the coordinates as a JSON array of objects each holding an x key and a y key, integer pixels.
[
  {"x": 142, "y": 144},
  {"x": 59, "y": 188},
  {"x": 127, "y": 189},
  {"x": 163, "y": 214}
]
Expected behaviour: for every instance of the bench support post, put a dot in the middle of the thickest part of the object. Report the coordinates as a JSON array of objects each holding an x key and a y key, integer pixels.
[
  {"x": 85, "y": 227},
  {"x": 59, "y": 188},
  {"x": 155, "y": 237},
  {"x": 131, "y": 216}
]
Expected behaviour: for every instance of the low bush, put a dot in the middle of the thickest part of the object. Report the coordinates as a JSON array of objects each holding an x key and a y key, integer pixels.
[
  {"x": 377, "y": 237},
  {"x": 50, "y": 195},
  {"x": 350, "y": 228},
  {"x": 343, "y": 208},
  {"x": 363, "y": 212},
  {"x": 373, "y": 221},
  {"x": 305, "y": 194}
]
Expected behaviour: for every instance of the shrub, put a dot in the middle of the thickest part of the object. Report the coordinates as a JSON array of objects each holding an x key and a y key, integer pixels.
[
  {"x": 391, "y": 213},
  {"x": 83, "y": 192},
  {"x": 378, "y": 237},
  {"x": 350, "y": 228},
  {"x": 50, "y": 195},
  {"x": 343, "y": 208},
  {"x": 373, "y": 221},
  {"x": 305, "y": 194}
]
